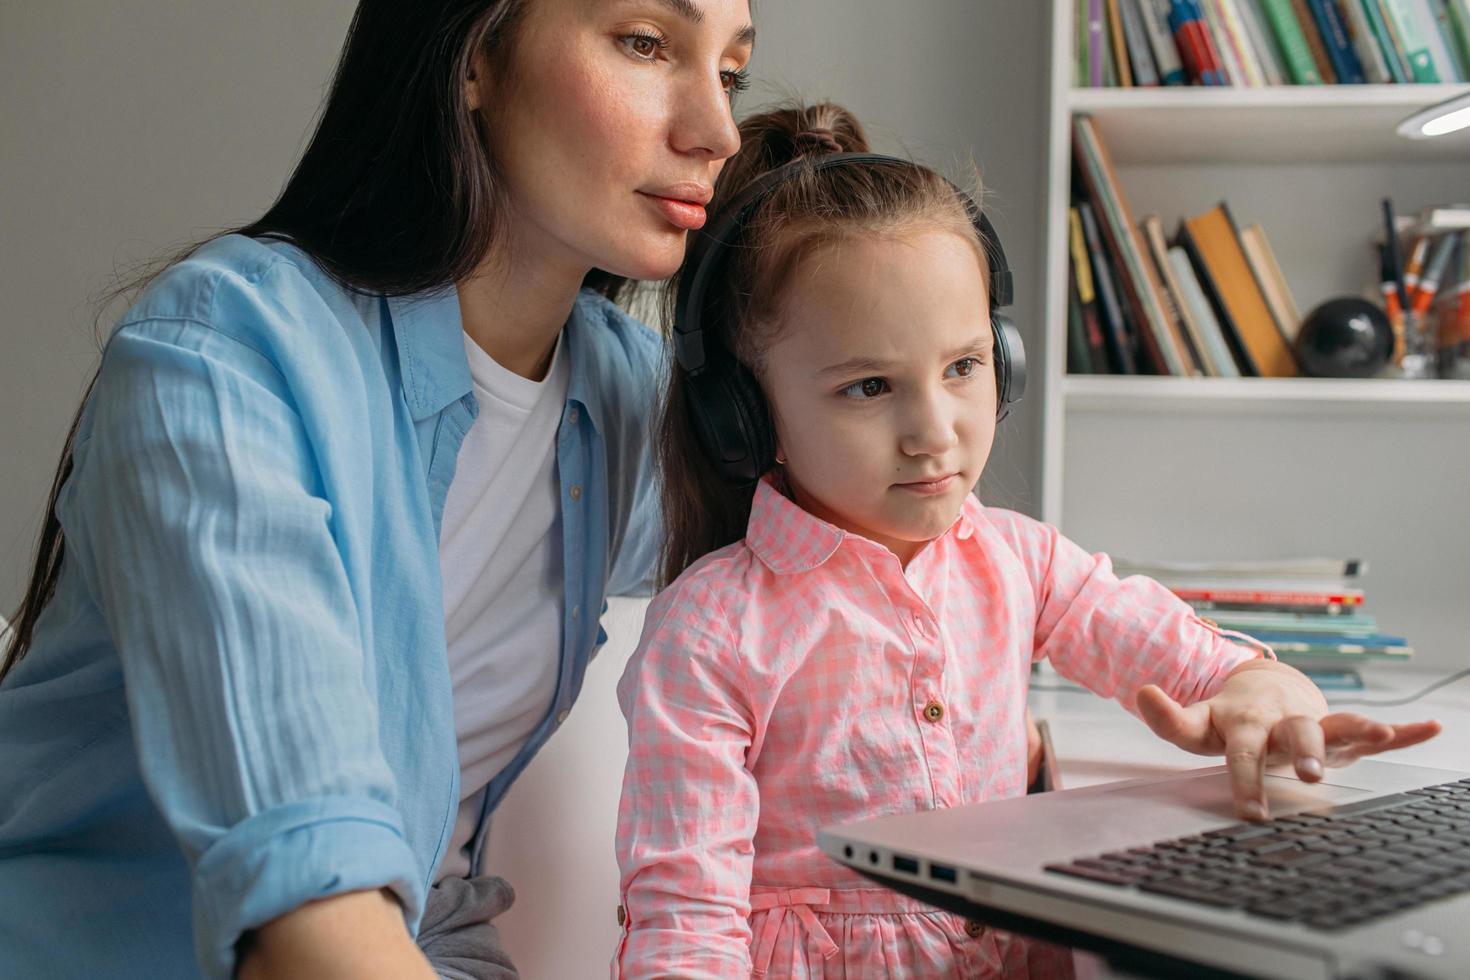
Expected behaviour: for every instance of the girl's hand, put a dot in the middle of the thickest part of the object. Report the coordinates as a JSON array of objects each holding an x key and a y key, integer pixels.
[
  {"x": 1033, "y": 750},
  {"x": 1268, "y": 714}
]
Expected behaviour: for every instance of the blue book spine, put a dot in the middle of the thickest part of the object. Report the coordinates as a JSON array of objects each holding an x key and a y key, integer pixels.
[{"x": 1335, "y": 39}]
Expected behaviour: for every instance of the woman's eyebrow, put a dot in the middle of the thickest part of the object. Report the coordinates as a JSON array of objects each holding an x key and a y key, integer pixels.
[{"x": 688, "y": 10}]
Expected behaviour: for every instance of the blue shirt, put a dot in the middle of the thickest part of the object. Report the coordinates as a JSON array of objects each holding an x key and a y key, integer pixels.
[{"x": 239, "y": 699}]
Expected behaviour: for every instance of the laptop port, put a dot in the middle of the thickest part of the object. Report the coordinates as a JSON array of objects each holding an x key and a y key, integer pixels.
[
  {"x": 943, "y": 872},
  {"x": 906, "y": 865}
]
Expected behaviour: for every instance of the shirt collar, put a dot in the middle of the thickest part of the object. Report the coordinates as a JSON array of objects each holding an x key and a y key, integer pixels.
[
  {"x": 787, "y": 539},
  {"x": 429, "y": 334},
  {"x": 430, "y": 338}
]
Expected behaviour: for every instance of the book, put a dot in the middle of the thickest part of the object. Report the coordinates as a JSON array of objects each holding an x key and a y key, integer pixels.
[
  {"x": 1196, "y": 50},
  {"x": 1137, "y": 275},
  {"x": 1092, "y": 331},
  {"x": 1119, "y": 44},
  {"x": 1302, "y": 11},
  {"x": 1356, "y": 623},
  {"x": 1153, "y": 233},
  {"x": 1279, "y": 568},
  {"x": 1263, "y": 41},
  {"x": 1393, "y": 55},
  {"x": 1204, "y": 315},
  {"x": 1213, "y": 244},
  {"x": 1093, "y": 32},
  {"x": 1458, "y": 13},
  {"x": 1409, "y": 34},
  {"x": 1293, "y": 43},
  {"x": 1145, "y": 75},
  {"x": 1232, "y": 59},
  {"x": 1161, "y": 41},
  {"x": 1273, "y": 284},
  {"x": 1365, "y": 43},
  {"x": 1335, "y": 40},
  {"x": 1441, "y": 41},
  {"x": 1204, "y": 598},
  {"x": 1233, "y": 16},
  {"x": 1079, "y": 358},
  {"x": 1115, "y": 328}
]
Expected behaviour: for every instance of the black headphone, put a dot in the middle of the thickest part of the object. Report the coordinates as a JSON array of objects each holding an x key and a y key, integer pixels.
[{"x": 727, "y": 407}]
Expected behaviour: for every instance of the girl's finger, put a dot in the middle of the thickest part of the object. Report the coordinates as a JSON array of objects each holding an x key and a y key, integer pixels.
[
  {"x": 1301, "y": 740},
  {"x": 1188, "y": 728},
  {"x": 1347, "y": 726},
  {"x": 1343, "y": 752},
  {"x": 1245, "y": 755}
]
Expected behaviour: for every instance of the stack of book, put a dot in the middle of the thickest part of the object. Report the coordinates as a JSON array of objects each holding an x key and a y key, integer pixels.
[
  {"x": 1212, "y": 302},
  {"x": 1310, "y": 611},
  {"x": 1254, "y": 43}
]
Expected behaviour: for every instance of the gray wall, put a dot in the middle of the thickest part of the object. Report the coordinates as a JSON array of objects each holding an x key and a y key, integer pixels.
[{"x": 129, "y": 127}]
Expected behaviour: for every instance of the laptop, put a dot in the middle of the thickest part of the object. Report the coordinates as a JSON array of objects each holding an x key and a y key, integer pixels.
[{"x": 1363, "y": 875}]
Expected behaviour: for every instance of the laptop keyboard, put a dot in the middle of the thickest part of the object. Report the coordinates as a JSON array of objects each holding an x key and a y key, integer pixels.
[{"x": 1326, "y": 869}]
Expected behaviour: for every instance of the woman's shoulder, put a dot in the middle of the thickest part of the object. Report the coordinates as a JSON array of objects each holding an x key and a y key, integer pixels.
[{"x": 248, "y": 288}]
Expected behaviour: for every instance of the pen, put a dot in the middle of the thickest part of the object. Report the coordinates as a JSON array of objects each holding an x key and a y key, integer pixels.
[
  {"x": 1414, "y": 267},
  {"x": 1433, "y": 273},
  {"x": 1391, "y": 243},
  {"x": 1389, "y": 286}
]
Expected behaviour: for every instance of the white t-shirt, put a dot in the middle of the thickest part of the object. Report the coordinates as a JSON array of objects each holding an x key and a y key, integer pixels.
[{"x": 500, "y": 555}]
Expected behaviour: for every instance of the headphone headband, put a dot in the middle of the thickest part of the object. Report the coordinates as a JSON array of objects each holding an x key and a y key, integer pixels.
[{"x": 706, "y": 251}]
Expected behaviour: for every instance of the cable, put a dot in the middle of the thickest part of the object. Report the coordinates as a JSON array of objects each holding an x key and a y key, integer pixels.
[{"x": 1395, "y": 702}]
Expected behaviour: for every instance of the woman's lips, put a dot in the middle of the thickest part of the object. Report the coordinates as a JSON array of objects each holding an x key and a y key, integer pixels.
[
  {"x": 681, "y": 214},
  {"x": 928, "y": 487}
]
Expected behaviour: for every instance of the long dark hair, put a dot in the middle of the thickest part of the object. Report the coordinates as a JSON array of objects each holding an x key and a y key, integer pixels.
[
  {"x": 702, "y": 512},
  {"x": 396, "y": 193}
]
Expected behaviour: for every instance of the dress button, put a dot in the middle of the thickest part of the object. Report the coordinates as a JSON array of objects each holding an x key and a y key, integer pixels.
[
  {"x": 973, "y": 929},
  {"x": 575, "y": 492},
  {"x": 919, "y": 625},
  {"x": 561, "y": 717},
  {"x": 573, "y": 416},
  {"x": 933, "y": 711},
  {"x": 622, "y": 915}
]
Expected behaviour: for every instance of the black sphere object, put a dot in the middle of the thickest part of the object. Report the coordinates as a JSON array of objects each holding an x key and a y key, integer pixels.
[{"x": 1346, "y": 337}]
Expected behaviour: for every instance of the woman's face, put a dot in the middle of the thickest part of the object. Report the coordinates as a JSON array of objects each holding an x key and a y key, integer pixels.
[{"x": 609, "y": 126}]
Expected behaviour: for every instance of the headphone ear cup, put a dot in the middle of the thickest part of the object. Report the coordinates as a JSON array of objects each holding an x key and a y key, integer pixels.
[
  {"x": 1010, "y": 364},
  {"x": 731, "y": 420}
]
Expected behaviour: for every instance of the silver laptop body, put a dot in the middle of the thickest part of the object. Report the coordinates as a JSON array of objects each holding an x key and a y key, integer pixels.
[{"x": 988, "y": 861}]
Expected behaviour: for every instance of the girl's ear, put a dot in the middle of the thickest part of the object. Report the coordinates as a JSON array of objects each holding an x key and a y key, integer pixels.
[{"x": 472, "y": 82}]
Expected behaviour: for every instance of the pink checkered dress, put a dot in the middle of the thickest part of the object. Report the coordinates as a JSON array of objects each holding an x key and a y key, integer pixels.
[{"x": 802, "y": 677}]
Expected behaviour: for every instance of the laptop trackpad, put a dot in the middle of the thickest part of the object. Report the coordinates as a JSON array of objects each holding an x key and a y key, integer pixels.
[{"x": 1210, "y": 793}]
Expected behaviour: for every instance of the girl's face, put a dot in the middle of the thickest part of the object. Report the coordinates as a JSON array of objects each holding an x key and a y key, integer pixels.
[
  {"x": 611, "y": 126},
  {"x": 882, "y": 384}
]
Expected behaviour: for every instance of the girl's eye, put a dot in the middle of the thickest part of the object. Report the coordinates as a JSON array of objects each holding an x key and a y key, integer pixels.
[
  {"x": 866, "y": 388},
  {"x": 644, "y": 46},
  {"x": 735, "y": 80},
  {"x": 965, "y": 366}
]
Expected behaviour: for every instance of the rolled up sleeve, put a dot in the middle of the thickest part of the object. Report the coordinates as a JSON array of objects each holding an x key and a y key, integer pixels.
[{"x": 196, "y": 512}]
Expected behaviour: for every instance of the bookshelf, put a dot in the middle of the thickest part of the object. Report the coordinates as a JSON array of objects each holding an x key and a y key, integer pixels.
[{"x": 1181, "y": 468}]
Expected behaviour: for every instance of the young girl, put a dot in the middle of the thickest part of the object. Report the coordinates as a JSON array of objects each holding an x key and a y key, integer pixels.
[{"x": 851, "y": 636}]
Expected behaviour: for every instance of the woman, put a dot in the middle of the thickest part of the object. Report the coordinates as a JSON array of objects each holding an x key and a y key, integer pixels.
[{"x": 326, "y": 550}]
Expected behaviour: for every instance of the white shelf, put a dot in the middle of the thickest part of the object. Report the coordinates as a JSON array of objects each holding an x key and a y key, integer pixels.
[
  {"x": 1283, "y": 124},
  {"x": 1272, "y": 396}
]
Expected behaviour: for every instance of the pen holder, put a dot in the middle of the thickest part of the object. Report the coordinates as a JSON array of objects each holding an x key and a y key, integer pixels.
[{"x": 1421, "y": 346}]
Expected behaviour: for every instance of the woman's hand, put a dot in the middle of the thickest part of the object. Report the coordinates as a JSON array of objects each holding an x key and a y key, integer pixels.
[{"x": 1268, "y": 714}]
